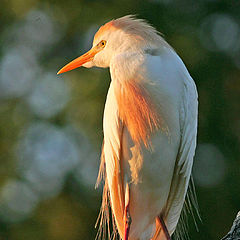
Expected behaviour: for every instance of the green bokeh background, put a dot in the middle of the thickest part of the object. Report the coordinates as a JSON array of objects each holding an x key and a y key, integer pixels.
[{"x": 37, "y": 37}]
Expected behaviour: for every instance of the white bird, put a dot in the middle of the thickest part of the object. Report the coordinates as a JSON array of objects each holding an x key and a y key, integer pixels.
[{"x": 150, "y": 128}]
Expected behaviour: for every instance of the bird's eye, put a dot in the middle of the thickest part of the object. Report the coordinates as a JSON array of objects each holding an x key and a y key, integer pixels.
[{"x": 102, "y": 43}]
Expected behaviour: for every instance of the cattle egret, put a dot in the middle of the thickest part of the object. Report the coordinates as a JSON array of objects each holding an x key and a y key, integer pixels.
[{"x": 150, "y": 128}]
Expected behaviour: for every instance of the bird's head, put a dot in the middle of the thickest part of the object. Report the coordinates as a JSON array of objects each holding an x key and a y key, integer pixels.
[{"x": 115, "y": 37}]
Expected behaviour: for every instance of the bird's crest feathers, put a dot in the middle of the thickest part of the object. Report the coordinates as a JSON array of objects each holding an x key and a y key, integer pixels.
[{"x": 138, "y": 28}]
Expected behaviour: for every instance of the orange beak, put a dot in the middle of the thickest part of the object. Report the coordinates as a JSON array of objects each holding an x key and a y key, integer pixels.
[{"x": 78, "y": 62}]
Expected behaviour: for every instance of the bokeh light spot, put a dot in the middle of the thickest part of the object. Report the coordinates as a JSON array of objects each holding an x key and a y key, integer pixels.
[{"x": 209, "y": 166}]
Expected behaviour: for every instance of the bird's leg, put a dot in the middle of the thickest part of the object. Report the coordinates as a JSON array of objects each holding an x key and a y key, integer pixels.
[
  {"x": 127, "y": 222},
  {"x": 164, "y": 227},
  {"x": 127, "y": 217}
]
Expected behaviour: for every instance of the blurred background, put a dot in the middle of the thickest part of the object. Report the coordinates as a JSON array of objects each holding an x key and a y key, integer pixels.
[{"x": 51, "y": 126}]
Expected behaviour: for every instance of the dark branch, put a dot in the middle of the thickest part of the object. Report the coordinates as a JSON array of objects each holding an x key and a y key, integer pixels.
[{"x": 234, "y": 233}]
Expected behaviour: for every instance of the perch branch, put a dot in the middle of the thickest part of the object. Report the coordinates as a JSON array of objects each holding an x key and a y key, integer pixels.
[{"x": 234, "y": 233}]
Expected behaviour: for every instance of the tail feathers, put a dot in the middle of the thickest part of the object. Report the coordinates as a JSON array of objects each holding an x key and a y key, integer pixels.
[
  {"x": 107, "y": 226},
  {"x": 190, "y": 207},
  {"x": 192, "y": 202},
  {"x": 182, "y": 227}
]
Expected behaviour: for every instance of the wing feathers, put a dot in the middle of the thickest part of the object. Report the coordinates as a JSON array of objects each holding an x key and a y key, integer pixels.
[{"x": 184, "y": 161}]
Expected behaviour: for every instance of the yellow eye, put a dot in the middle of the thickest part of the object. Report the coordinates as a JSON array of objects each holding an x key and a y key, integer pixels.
[{"x": 102, "y": 43}]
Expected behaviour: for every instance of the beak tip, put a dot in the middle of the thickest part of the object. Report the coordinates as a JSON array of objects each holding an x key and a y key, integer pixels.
[
  {"x": 60, "y": 71},
  {"x": 78, "y": 62}
]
